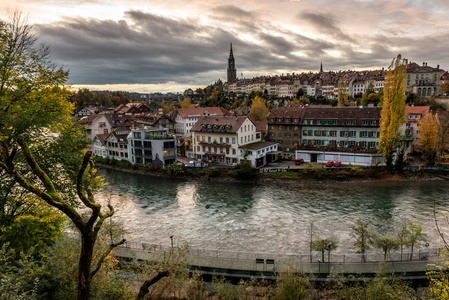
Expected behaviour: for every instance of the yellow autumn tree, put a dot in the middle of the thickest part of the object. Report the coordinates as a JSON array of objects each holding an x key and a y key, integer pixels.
[
  {"x": 430, "y": 137},
  {"x": 342, "y": 92},
  {"x": 393, "y": 110},
  {"x": 259, "y": 110},
  {"x": 187, "y": 103}
]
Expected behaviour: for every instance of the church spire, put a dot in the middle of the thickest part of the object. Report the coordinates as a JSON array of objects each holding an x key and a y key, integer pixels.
[
  {"x": 232, "y": 72},
  {"x": 321, "y": 67}
]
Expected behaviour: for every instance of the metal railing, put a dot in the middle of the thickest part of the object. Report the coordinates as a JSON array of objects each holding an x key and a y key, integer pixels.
[{"x": 369, "y": 257}]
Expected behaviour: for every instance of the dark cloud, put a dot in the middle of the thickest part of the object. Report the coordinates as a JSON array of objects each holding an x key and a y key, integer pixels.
[
  {"x": 325, "y": 24},
  {"x": 146, "y": 48}
]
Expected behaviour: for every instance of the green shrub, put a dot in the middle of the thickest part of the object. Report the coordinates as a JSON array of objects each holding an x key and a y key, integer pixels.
[
  {"x": 315, "y": 171},
  {"x": 244, "y": 171},
  {"x": 213, "y": 172}
]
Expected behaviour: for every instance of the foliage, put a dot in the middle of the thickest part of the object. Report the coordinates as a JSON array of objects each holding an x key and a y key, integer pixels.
[
  {"x": 414, "y": 235},
  {"x": 259, "y": 110},
  {"x": 393, "y": 110},
  {"x": 29, "y": 226},
  {"x": 386, "y": 243},
  {"x": 187, "y": 103},
  {"x": 444, "y": 89},
  {"x": 62, "y": 267},
  {"x": 342, "y": 92},
  {"x": 84, "y": 97},
  {"x": 430, "y": 137},
  {"x": 19, "y": 275},
  {"x": 363, "y": 236},
  {"x": 314, "y": 171},
  {"x": 323, "y": 244},
  {"x": 36, "y": 126},
  {"x": 290, "y": 285},
  {"x": 299, "y": 93},
  {"x": 244, "y": 171}
]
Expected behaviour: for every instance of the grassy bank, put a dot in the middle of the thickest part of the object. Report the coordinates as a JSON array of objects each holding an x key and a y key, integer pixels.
[{"x": 244, "y": 172}]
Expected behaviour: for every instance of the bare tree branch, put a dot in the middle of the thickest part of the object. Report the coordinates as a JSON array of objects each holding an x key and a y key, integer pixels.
[
  {"x": 103, "y": 257},
  {"x": 438, "y": 227},
  {"x": 144, "y": 289}
]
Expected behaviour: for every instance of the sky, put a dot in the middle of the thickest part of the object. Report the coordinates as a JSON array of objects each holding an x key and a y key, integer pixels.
[{"x": 170, "y": 45}]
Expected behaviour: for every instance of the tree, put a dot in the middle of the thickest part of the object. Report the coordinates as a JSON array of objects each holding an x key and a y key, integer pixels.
[
  {"x": 402, "y": 234},
  {"x": 414, "y": 236},
  {"x": 311, "y": 229},
  {"x": 342, "y": 92},
  {"x": 386, "y": 243},
  {"x": 187, "y": 103},
  {"x": 430, "y": 137},
  {"x": 35, "y": 124},
  {"x": 393, "y": 110},
  {"x": 363, "y": 236},
  {"x": 325, "y": 244},
  {"x": 444, "y": 89},
  {"x": 299, "y": 93},
  {"x": 373, "y": 98},
  {"x": 259, "y": 110}
]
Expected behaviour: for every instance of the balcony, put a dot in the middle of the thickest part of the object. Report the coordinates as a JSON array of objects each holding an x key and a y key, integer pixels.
[{"x": 214, "y": 144}]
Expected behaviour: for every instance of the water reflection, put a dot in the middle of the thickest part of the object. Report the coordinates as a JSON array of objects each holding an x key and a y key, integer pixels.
[{"x": 271, "y": 217}]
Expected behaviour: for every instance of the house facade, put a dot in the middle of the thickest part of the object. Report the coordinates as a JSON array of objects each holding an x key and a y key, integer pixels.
[
  {"x": 116, "y": 144},
  {"x": 150, "y": 145},
  {"x": 229, "y": 140}
]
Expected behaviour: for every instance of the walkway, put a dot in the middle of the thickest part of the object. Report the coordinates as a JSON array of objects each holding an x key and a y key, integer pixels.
[{"x": 228, "y": 262}]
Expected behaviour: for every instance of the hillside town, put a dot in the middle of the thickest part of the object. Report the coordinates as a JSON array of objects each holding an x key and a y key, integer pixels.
[{"x": 316, "y": 117}]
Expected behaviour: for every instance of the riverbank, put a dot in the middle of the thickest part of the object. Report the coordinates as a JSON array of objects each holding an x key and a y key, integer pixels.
[{"x": 310, "y": 174}]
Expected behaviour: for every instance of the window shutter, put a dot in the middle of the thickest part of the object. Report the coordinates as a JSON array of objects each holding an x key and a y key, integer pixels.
[
  {"x": 378, "y": 134},
  {"x": 341, "y": 133},
  {"x": 360, "y": 133}
]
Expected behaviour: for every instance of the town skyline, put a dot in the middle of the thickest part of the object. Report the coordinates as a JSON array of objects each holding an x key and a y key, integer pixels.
[{"x": 156, "y": 47}]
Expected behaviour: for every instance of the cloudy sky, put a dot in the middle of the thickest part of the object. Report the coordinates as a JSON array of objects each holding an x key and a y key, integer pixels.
[{"x": 170, "y": 45}]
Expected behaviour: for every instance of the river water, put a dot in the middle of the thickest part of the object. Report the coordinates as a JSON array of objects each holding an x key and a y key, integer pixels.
[{"x": 271, "y": 217}]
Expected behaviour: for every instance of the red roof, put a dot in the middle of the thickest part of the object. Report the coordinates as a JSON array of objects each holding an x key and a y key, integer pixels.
[{"x": 416, "y": 110}]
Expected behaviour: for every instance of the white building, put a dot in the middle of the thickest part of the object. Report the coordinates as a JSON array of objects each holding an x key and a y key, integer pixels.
[{"x": 229, "y": 140}]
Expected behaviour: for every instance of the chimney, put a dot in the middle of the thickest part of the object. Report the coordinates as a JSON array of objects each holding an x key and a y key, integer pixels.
[{"x": 438, "y": 66}]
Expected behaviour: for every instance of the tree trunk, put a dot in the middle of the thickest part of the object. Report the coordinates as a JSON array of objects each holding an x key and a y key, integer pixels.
[
  {"x": 85, "y": 262},
  {"x": 411, "y": 252}
]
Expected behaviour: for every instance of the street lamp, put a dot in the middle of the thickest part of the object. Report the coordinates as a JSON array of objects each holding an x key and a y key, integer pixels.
[{"x": 171, "y": 240}]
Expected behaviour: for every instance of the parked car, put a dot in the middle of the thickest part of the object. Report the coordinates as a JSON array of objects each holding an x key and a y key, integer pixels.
[
  {"x": 299, "y": 161},
  {"x": 337, "y": 164},
  {"x": 330, "y": 164}
]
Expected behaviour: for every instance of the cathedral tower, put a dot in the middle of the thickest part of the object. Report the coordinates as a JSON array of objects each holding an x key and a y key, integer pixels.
[{"x": 232, "y": 72}]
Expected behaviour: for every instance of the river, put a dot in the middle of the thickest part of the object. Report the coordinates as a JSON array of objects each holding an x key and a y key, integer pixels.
[{"x": 271, "y": 217}]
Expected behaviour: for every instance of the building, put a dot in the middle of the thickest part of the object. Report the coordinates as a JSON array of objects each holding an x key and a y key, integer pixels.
[
  {"x": 98, "y": 146},
  {"x": 423, "y": 81},
  {"x": 150, "y": 145},
  {"x": 186, "y": 117},
  {"x": 232, "y": 72},
  {"x": 116, "y": 144},
  {"x": 410, "y": 130},
  {"x": 230, "y": 140},
  {"x": 284, "y": 128}
]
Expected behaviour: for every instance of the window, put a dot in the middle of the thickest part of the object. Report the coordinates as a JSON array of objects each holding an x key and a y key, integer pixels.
[
  {"x": 169, "y": 145},
  {"x": 147, "y": 144},
  {"x": 363, "y": 134},
  {"x": 233, "y": 151},
  {"x": 227, "y": 140},
  {"x": 233, "y": 140},
  {"x": 137, "y": 144},
  {"x": 137, "y": 135}
]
